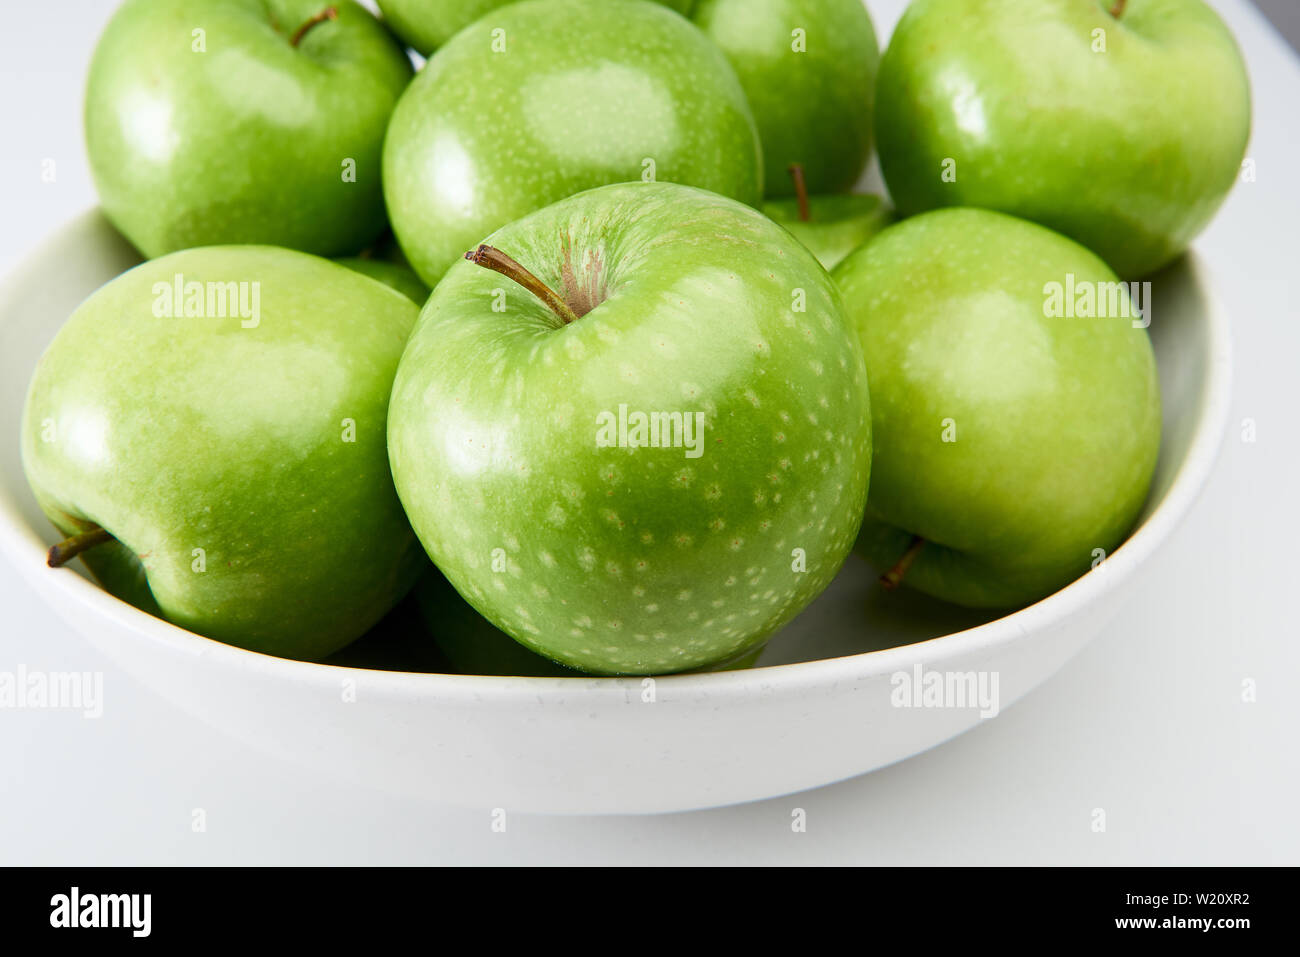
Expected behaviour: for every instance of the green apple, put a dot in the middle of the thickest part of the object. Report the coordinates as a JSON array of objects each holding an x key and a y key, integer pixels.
[
  {"x": 472, "y": 645},
  {"x": 209, "y": 431},
  {"x": 551, "y": 97},
  {"x": 835, "y": 225},
  {"x": 213, "y": 122},
  {"x": 809, "y": 70},
  {"x": 393, "y": 275},
  {"x": 426, "y": 25},
  {"x": 1124, "y": 132},
  {"x": 1014, "y": 446},
  {"x": 644, "y": 445},
  {"x": 398, "y": 642},
  {"x": 830, "y": 226}
]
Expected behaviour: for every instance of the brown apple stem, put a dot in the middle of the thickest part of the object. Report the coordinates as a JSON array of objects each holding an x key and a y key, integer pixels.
[
  {"x": 329, "y": 13},
  {"x": 1117, "y": 8},
  {"x": 71, "y": 547},
  {"x": 800, "y": 191},
  {"x": 894, "y": 577},
  {"x": 495, "y": 259}
]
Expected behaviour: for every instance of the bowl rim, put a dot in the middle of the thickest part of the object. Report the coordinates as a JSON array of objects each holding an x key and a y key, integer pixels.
[{"x": 26, "y": 550}]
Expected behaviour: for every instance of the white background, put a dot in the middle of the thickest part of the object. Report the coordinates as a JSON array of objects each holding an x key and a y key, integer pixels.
[{"x": 1148, "y": 723}]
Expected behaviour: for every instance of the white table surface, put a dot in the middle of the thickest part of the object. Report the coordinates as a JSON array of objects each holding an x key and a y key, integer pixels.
[{"x": 1147, "y": 723}]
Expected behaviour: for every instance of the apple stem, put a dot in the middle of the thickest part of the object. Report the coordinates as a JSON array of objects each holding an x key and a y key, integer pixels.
[
  {"x": 74, "y": 545},
  {"x": 894, "y": 577},
  {"x": 495, "y": 259},
  {"x": 329, "y": 13},
  {"x": 1117, "y": 8},
  {"x": 800, "y": 191}
]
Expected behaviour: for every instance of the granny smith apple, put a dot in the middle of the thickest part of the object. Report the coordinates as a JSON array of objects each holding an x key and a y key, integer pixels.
[
  {"x": 472, "y": 645},
  {"x": 394, "y": 275},
  {"x": 242, "y": 121},
  {"x": 393, "y": 644},
  {"x": 831, "y": 226},
  {"x": 634, "y": 430},
  {"x": 208, "y": 430},
  {"x": 1121, "y": 125},
  {"x": 1015, "y": 434},
  {"x": 548, "y": 98},
  {"x": 428, "y": 24},
  {"x": 809, "y": 70},
  {"x": 835, "y": 224},
  {"x": 397, "y": 642}
]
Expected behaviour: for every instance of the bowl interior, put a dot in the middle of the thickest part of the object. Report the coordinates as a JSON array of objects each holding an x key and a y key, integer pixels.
[{"x": 853, "y": 617}]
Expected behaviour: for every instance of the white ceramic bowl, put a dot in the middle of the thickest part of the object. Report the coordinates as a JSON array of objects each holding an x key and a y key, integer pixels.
[{"x": 818, "y": 710}]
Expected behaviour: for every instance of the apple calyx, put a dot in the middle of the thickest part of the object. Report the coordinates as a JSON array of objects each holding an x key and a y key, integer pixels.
[
  {"x": 329, "y": 13},
  {"x": 894, "y": 577},
  {"x": 494, "y": 259},
  {"x": 800, "y": 191},
  {"x": 72, "y": 546},
  {"x": 1117, "y": 8}
]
